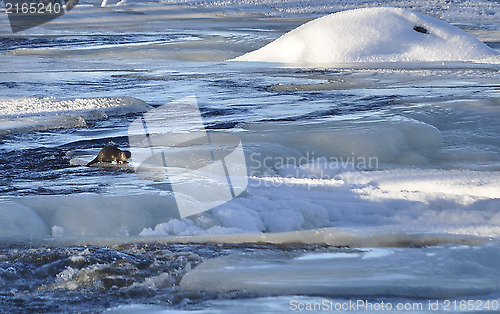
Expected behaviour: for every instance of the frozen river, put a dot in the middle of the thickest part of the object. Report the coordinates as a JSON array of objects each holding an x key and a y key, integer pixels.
[{"x": 373, "y": 179}]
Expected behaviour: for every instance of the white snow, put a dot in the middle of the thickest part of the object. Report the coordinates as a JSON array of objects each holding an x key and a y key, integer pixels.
[
  {"x": 458, "y": 202},
  {"x": 35, "y": 113},
  {"x": 455, "y": 10},
  {"x": 378, "y": 34},
  {"x": 36, "y": 105},
  {"x": 397, "y": 202}
]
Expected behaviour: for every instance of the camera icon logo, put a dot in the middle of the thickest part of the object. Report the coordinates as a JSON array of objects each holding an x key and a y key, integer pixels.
[{"x": 203, "y": 169}]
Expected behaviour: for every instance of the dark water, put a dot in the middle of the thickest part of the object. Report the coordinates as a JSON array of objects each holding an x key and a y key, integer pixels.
[{"x": 90, "y": 278}]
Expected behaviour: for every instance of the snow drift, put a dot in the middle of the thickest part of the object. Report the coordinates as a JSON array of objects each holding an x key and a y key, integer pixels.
[
  {"x": 381, "y": 34},
  {"x": 38, "y": 114}
]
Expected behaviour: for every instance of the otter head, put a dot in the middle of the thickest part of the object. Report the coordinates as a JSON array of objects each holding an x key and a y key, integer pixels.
[{"x": 124, "y": 155}]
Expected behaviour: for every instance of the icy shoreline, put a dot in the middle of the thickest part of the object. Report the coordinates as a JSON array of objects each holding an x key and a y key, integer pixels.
[{"x": 401, "y": 201}]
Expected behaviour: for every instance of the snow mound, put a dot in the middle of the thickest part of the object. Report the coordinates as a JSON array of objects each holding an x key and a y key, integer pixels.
[{"x": 381, "y": 34}]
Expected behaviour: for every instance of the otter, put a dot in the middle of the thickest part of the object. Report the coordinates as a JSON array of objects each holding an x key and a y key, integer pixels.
[{"x": 110, "y": 154}]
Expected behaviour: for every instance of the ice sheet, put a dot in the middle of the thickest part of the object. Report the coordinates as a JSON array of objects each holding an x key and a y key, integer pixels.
[
  {"x": 398, "y": 272},
  {"x": 35, "y": 113}
]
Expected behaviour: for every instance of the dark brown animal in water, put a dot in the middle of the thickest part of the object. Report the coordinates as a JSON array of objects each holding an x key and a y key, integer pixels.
[{"x": 110, "y": 154}]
